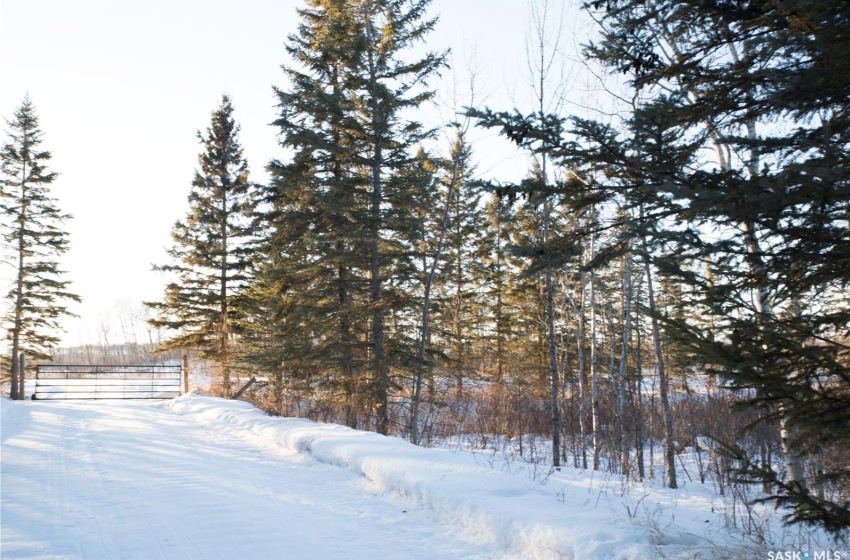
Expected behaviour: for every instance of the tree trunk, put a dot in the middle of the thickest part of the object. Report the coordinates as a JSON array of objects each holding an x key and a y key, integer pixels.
[
  {"x": 638, "y": 393},
  {"x": 381, "y": 381},
  {"x": 544, "y": 65},
  {"x": 457, "y": 331},
  {"x": 669, "y": 448},
  {"x": 594, "y": 375},
  {"x": 550, "y": 328},
  {"x": 344, "y": 350},
  {"x": 594, "y": 363},
  {"x": 375, "y": 297},
  {"x": 582, "y": 376},
  {"x": 499, "y": 312},
  {"x": 426, "y": 303},
  {"x": 621, "y": 385},
  {"x": 16, "y": 373},
  {"x": 13, "y": 369},
  {"x": 224, "y": 327},
  {"x": 22, "y": 376}
]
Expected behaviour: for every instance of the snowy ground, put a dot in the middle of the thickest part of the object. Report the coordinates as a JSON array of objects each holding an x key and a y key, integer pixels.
[{"x": 201, "y": 478}]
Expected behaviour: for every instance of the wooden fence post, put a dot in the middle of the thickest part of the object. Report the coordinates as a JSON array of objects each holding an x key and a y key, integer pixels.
[{"x": 185, "y": 373}]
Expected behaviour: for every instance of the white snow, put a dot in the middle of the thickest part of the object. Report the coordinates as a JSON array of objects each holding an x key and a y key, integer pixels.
[{"x": 201, "y": 477}]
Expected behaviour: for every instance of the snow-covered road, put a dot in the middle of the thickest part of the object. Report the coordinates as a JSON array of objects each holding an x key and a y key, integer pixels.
[
  {"x": 114, "y": 480},
  {"x": 200, "y": 477}
]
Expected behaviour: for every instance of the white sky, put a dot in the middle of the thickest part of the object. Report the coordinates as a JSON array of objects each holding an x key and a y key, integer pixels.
[{"x": 122, "y": 86}]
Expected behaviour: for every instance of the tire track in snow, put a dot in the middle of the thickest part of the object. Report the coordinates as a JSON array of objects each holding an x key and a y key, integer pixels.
[
  {"x": 124, "y": 521},
  {"x": 137, "y": 481}
]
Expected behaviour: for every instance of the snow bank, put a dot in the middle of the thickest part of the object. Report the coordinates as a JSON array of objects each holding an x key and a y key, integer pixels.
[{"x": 520, "y": 516}]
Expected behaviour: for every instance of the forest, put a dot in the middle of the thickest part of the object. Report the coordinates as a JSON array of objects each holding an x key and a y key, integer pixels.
[{"x": 669, "y": 277}]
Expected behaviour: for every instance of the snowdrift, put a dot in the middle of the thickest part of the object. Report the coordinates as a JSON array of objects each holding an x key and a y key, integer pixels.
[{"x": 522, "y": 517}]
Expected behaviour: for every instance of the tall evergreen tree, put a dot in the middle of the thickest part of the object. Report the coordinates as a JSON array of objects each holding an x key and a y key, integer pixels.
[
  {"x": 344, "y": 232},
  {"x": 314, "y": 276},
  {"x": 211, "y": 256},
  {"x": 494, "y": 282},
  {"x": 460, "y": 270},
  {"x": 32, "y": 229},
  {"x": 452, "y": 270},
  {"x": 385, "y": 87}
]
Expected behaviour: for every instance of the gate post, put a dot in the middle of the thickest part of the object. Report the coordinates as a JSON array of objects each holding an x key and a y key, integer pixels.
[{"x": 185, "y": 373}]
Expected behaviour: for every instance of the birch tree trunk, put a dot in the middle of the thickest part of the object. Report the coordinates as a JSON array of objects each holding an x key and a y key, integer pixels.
[
  {"x": 582, "y": 375},
  {"x": 621, "y": 385},
  {"x": 550, "y": 328},
  {"x": 594, "y": 364}
]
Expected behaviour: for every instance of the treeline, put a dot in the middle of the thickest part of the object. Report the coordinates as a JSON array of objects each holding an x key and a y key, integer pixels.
[
  {"x": 673, "y": 273},
  {"x": 130, "y": 353},
  {"x": 374, "y": 281}
]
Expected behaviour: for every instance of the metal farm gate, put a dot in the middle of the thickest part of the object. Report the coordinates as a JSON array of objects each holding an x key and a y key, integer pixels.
[{"x": 55, "y": 381}]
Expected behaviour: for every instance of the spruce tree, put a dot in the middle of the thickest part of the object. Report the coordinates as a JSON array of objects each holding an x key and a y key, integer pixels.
[
  {"x": 212, "y": 254},
  {"x": 344, "y": 231},
  {"x": 385, "y": 87},
  {"x": 495, "y": 280},
  {"x": 461, "y": 271},
  {"x": 313, "y": 281},
  {"x": 32, "y": 229}
]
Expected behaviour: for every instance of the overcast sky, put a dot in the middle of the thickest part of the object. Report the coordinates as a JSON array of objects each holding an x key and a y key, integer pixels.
[{"x": 122, "y": 86}]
